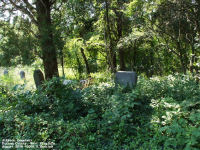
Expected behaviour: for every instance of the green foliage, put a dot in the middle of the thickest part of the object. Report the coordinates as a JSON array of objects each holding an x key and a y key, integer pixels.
[
  {"x": 73, "y": 58},
  {"x": 179, "y": 87},
  {"x": 16, "y": 45},
  {"x": 137, "y": 32},
  {"x": 160, "y": 113},
  {"x": 101, "y": 77},
  {"x": 154, "y": 37},
  {"x": 7, "y": 81}
]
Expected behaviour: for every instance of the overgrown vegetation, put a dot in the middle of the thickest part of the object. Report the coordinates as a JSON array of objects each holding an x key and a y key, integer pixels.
[
  {"x": 92, "y": 39},
  {"x": 160, "y": 113}
]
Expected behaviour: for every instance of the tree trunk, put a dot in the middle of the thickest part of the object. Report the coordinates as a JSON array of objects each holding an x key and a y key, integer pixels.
[
  {"x": 46, "y": 39},
  {"x": 121, "y": 60},
  {"x": 112, "y": 53},
  {"x": 192, "y": 61},
  {"x": 86, "y": 62},
  {"x": 182, "y": 57},
  {"x": 62, "y": 63},
  {"x": 152, "y": 59},
  {"x": 184, "y": 70},
  {"x": 119, "y": 35},
  {"x": 79, "y": 66},
  {"x": 135, "y": 47},
  {"x": 183, "y": 62}
]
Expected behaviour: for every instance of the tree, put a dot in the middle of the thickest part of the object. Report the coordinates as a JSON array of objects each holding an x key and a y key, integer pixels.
[
  {"x": 108, "y": 38},
  {"x": 179, "y": 29},
  {"x": 121, "y": 22},
  {"x": 82, "y": 17},
  {"x": 16, "y": 46},
  {"x": 40, "y": 14}
]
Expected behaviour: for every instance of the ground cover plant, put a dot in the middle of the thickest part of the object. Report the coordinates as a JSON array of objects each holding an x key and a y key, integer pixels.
[
  {"x": 82, "y": 44},
  {"x": 160, "y": 113}
]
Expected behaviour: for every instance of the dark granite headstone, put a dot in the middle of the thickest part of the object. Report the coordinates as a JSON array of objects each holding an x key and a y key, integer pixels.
[
  {"x": 38, "y": 77},
  {"x": 5, "y": 72},
  {"x": 22, "y": 74},
  {"x": 126, "y": 78}
]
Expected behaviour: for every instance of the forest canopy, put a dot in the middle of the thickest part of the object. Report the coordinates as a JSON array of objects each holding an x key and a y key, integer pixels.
[{"x": 152, "y": 37}]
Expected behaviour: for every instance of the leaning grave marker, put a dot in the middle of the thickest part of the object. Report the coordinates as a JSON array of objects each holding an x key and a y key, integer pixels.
[{"x": 38, "y": 77}]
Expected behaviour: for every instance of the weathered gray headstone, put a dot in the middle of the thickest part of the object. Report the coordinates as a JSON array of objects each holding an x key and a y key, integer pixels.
[
  {"x": 38, "y": 77},
  {"x": 22, "y": 74},
  {"x": 5, "y": 72},
  {"x": 66, "y": 82},
  {"x": 126, "y": 78}
]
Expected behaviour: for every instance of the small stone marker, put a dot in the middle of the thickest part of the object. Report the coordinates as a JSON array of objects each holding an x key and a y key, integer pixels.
[
  {"x": 126, "y": 78},
  {"x": 83, "y": 82},
  {"x": 22, "y": 74},
  {"x": 66, "y": 82},
  {"x": 38, "y": 77},
  {"x": 5, "y": 72}
]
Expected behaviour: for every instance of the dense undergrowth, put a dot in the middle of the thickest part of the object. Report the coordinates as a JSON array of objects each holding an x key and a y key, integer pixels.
[{"x": 160, "y": 113}]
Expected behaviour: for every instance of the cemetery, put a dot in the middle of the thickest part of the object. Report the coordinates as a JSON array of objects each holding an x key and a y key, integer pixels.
[
  {"x": 100, "y": 75},
  {"x": 106, "y": 105}
]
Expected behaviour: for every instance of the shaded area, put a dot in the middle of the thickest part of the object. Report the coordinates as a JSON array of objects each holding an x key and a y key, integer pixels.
[{"x": 160, "y": 113}]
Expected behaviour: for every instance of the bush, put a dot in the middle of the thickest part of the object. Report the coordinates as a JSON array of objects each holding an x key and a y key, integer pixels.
[
  {"x": 160, "y": 113},
  {"x": 31, "y": 115}
]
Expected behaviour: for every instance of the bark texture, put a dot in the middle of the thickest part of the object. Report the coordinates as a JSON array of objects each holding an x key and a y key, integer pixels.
[{"x": 46, "y": 38}]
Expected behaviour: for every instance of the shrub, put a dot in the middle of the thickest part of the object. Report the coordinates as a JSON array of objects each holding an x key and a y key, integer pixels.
[{"x": 160, "y": 113}]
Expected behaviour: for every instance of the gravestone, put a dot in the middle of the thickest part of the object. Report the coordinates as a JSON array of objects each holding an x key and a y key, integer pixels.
[
  {"x": 5, "y": 72},
  {"x": 22, "y": 74},
  {"x": 66, "y": 82},
  {"x": 83, "y": 82},
  {"x": 126, "y": 78},
  {"x": 38, "y": 77}
]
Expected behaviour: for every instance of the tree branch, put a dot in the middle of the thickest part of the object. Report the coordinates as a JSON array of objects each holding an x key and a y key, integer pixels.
[
  {"x": 29, "y": 6},
  {"x": 52, "y": 2},
  {"x": 24, "y": 10}
]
